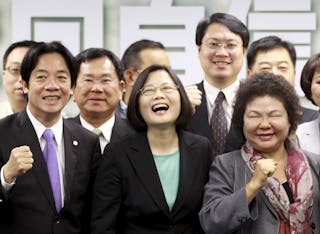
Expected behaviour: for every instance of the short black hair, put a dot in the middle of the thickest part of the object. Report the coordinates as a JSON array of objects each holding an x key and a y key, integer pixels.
[
  {"x": 31, "y": 59},
  {"x": 133, "y": 113},
  {"x": 266, "y": 44},
  {"x": 229, "y": 21},
  {"x": 307, "y": 74},
  {"x": 131, "y": 58},
  {"x": 18, "y": 44},
  {"x": 94, "y": 53},
  {"x": 266, "y": 84}
]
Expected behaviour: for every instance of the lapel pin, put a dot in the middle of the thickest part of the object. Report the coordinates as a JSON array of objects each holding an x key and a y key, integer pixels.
[{"x": 75, "y": 143}]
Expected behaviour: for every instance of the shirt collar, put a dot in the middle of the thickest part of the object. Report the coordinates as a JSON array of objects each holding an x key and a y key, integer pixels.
[
  {"x": 57, "y": 128},
  {"x": 229, "y": 92},
  {"x": 105, "y": 128}
]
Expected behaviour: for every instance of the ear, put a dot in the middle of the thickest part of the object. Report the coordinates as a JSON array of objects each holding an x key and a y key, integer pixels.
[
  {"x": 122, "y": 89},
  {"x": 24, "y": 87},
  {"x": 249, "y": 73},
  {"x": 129, "y": 77}
]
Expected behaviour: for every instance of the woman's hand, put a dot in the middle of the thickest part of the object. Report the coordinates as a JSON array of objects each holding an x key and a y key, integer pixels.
[{"x": 264, "y": 168}]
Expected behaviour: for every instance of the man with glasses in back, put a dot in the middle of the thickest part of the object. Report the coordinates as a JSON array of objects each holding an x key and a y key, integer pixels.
[
  {"x": 12, "y": 60},
  {"x": 222, "y": 42}
]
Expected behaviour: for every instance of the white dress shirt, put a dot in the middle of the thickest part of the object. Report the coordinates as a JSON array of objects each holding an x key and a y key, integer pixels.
[
  {"x": 230, "y": 94},
  {"x": 105, "y": 128}
]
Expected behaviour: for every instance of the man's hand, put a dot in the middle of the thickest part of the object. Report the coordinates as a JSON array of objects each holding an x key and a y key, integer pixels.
[
  {"x": 194, "y": 95},
  {"x": 19, "y": 163}
]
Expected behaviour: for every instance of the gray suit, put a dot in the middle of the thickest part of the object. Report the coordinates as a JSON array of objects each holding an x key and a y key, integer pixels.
[{"x": 225, "y": 208}]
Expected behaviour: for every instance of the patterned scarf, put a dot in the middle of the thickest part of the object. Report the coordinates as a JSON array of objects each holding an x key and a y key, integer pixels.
[{"x": 294, "y": 218}]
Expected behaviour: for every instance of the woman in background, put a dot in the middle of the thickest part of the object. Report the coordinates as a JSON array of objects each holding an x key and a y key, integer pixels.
[{"x": 308, "y": 133}]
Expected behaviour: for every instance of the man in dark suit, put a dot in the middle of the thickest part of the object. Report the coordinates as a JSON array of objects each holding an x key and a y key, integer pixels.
[
  {"x": 98, "y": 92},
  {"x": 46, "y": 185},
  {"x": 222, "y": 41}
]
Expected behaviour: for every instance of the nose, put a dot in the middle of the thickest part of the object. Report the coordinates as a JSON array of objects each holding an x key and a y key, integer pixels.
[
  {"x": 51, "y": 84},
  {"x": 276, "y": 71},
  {"x": 158, "y": 93},
  {"x": 96, "y": 87},
  {"x": 221, "y": 50},
  {"x": 264, "y": 122}
]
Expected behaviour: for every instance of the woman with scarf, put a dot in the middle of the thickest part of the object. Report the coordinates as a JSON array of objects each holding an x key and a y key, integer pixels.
[
  {"x": 308, "y": 133},
  {"x": 269, "y": 186}
]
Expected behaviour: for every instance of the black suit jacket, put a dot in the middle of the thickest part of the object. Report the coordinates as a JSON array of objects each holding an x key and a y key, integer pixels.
[
  {"x": 30, "y": 205},
  {"x": 128, "y": 196}
]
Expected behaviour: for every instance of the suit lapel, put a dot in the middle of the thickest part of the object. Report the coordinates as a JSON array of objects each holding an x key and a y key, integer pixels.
[
  {"x": 70, "y": 149},
  {"x": 186, "y": 171},
  {"x": 119, "y": 129},
  {"x": 200, "y": 119},
  {"x": 28, "y": 137},
  {"x": 140, "y": 156}
]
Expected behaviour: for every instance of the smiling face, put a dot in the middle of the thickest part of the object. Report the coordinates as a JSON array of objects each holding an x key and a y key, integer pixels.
[
  {"x": 98, "y": 90},
  {"x": 265, "y": 124},
  {"x": 276, "y": 61},
  {"x": 161, "y": 107},
  {"x": 221, "y": 55},
  {"x": 49, "y": 87},
  {"x": 315, "y": 87}
]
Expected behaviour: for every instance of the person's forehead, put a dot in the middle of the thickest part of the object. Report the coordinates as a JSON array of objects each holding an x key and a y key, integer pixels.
[
  {"x": 17, "y": 54},
  {"x": 218, "y": 30}
]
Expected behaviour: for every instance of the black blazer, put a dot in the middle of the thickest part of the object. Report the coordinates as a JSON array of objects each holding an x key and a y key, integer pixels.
[
  {"x": 128, "y": 196},
  {"x": 29, "y": 207}
]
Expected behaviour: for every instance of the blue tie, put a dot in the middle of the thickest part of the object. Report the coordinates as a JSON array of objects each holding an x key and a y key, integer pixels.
[
  {"x": 50, "y": 157},
  {"x": 218, "y": 124}
]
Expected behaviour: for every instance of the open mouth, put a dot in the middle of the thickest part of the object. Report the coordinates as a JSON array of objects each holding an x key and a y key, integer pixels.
[
  {"x": 51, "y": 98},
  {"x": 221, "y": 63},
  {"x": 160, "y": 107}
]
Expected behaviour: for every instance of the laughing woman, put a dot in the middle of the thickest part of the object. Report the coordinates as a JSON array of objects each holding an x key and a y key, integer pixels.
[{"x": 153, "y": 181}]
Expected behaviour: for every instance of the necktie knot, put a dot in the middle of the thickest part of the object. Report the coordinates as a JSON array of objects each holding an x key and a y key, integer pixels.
[
  {"x": 220, "y": 98},
  {"x": 48, "y": 135},
  {"x": 97, "y": 131}
]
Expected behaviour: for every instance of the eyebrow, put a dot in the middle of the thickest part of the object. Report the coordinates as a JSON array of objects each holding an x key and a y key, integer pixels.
[{"x": 46, "y": 71}]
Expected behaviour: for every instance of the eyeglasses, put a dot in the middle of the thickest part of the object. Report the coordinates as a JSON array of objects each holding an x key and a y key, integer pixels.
[
  {"x": 213, "y": 45},
  {"x": 14, "y": 70},
  {"x": 164, "y": 88}
]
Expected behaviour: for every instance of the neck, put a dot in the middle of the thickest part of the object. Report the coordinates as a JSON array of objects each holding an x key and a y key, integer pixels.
[
  {"x": 279, "y": 155},
  {"x": 96, "y": 120},
  {"x": 221, "y": 82},
  {"x": 18, "y": 106},
  {"x": 163, "y": 141},
  {"x": 126, "y": 95}
]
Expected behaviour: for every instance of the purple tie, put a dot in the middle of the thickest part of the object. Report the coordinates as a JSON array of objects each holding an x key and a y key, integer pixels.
[
  {"x": 50, "y": 157},
  {"x": 219, "y": 126}
]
